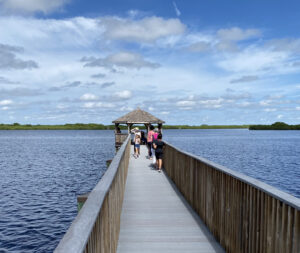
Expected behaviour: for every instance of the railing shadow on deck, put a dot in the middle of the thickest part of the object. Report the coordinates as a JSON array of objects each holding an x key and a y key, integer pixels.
[
  {"x": 244, "y": 214},
  {"x": 96, "y": 227}
]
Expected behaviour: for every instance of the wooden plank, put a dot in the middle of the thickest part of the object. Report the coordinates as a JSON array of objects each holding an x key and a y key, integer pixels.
[
  {"x": 156, "y": 217},
  {"x": 296, "y": 232}
]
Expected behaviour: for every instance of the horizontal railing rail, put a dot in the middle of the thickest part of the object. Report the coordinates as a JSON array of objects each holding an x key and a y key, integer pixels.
[
  {"x": 244, "y": 214},
  {"x": 97, "y": 225}
]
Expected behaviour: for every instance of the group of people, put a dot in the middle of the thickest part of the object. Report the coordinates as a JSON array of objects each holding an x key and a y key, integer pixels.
[{"x": 154, "y": 143}]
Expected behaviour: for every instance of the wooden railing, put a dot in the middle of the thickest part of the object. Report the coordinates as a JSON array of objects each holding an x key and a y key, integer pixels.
[
  {"x": 244, "y": 214},
  {"x": 97, "y": 225}
]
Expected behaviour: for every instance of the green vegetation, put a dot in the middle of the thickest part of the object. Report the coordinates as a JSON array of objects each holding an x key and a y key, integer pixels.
[
  {"x": 275, "y": 126},
  {"x": 77, "y": 126},
  {"x": 93, "y": 126}
]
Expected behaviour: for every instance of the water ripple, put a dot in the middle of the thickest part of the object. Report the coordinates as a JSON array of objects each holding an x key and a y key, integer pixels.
[
  {"x": 270, "y": 156},
  {"x": 41, "y": 173}
]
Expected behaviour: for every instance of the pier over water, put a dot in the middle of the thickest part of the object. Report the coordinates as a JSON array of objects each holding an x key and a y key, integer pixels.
[{"x": 195, "y": 205}]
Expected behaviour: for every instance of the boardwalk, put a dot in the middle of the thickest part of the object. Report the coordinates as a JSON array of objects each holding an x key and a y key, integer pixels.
[{"x": 156, "y": 218}]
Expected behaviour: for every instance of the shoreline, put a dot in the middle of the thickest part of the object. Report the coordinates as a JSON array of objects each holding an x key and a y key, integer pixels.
[{"x": 17, "y": 126}]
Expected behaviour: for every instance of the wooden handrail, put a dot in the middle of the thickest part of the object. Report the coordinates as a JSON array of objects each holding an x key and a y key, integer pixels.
[
  {"x": 244, "y": 214},
  {"x": 97, "y": 225}
]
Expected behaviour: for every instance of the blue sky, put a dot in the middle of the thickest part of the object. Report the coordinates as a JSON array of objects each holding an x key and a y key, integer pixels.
[{"x": 187, "y": 62}]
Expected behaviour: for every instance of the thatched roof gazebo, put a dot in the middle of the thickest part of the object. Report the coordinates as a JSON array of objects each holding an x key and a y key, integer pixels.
[{"x": 137, "y": 116}]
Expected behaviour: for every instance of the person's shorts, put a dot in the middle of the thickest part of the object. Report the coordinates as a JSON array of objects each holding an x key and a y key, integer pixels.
[
  {"x": 159, "y": 155},
  {"x": 137, "y": 145}
]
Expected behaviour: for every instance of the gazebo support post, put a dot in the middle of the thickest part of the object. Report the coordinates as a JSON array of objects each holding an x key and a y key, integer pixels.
[
  {"x": 160, "y": 128},
  {"x": 129, "y": 128},
  {"x": 147, "y": 127},
  {"x": 116, "y": 127}
]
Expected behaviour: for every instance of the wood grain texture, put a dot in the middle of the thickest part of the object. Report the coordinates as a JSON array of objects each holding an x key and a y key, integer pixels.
[
  {"x": 96, "y": 227},
  {"x": 244, "y": 214},
  {"x": 156, "y": 217}
]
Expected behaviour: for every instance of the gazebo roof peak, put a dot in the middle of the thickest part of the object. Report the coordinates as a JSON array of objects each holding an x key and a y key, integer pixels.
[{"x": 138, "y": 116}]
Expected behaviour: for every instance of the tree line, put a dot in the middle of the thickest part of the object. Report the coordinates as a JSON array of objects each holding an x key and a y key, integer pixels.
[
  {"x": 94, "y": 126},
  {"x": 275, "y": 126}
]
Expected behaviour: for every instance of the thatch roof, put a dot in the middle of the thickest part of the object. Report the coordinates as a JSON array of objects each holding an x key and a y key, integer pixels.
[{"x": 138, "y": 116}]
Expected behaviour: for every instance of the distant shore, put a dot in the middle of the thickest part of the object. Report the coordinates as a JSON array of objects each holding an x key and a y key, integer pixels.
[
  {"x": 275, "y": 126},
  {"x": 92, "y": 126}
]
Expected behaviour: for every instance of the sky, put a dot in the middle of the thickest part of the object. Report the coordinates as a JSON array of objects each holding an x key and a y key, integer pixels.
[{"x": 185, "y": 61}]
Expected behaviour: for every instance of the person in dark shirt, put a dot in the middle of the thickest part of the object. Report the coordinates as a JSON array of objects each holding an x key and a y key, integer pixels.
[{"x": 158, "y": 145}]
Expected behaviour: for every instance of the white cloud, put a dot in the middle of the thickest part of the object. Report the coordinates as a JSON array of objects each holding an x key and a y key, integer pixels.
[
  {"x": 61, "y": 106},
  {"x": 5, "y": 108},
  {"x": 186, "y": 103},
  {"x": 237, "y": 34},
  {"x": 244, "y": 104},
  {"x": 6, "y": 102},
  {"x": 226, "y": 46},
  {"x": 289, "y": 45},
  {"x": 6, "y": 81},
  {"x": 224, "y": 40},
  {"x": 298, "y": 108},
  {"x": 146, "y": 30},
  {"x": 212, "y": 103},
  {"x": 100, "y": 75},
  {"x": 125, "y": 94},
  {"x": 43, "y": 35},
  {"x": 244, "y": 79},
  {"x": 253, "y": 60},
  {"x": 201, "y": 46},
  {"x": 279, "y": 116},
  {"x": 31, "y": 6},
  {"x": 57, "y": 45},
  {"x": 121, "y": 59},
  {"x": 126, "y": 108},
  {"x": 275, "y": 96},
  {"x": 177, "y": 11},
  {"x": 9, "y": 60},
  {"x": 270, "y": 110},
  {"x": 91, "y": 105},
  {"x": 88, "y": 97},
  {"x": 107, "y": 84},
  {"x": 265, "y": 102}
]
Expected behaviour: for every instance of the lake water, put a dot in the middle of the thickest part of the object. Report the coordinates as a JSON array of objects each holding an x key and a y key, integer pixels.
[
  {"x": 270, "y": 156},
  {"x": 42, "y": 172}
]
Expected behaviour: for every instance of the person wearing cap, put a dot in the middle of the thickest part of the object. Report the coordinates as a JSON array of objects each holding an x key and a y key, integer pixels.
[{"x": 136, "y": 141}]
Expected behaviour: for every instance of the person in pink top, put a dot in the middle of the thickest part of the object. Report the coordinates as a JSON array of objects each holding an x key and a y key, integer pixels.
[
  {"x": 154, "y": 138},
  {"x": 149, "y": 141}
]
